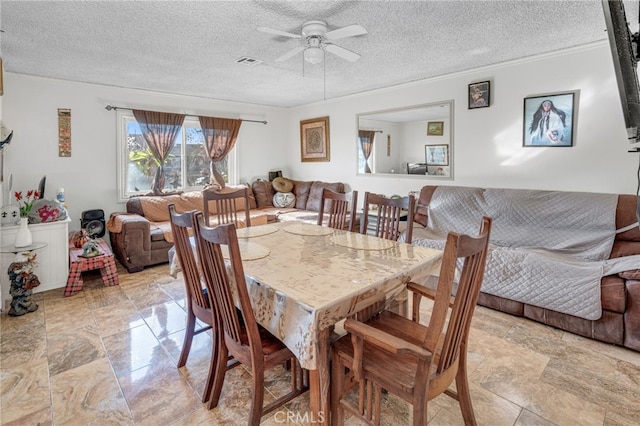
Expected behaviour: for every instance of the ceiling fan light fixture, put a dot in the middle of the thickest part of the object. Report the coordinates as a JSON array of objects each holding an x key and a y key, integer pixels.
[{"x": 313, "y": 55}]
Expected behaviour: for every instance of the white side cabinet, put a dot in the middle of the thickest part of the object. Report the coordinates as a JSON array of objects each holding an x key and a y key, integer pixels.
[{"x": 53, "y": 268}]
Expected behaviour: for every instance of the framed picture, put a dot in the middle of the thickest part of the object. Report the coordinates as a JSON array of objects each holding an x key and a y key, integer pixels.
[
  {"x": 314, "y": 139},
  {"x": 435, "y": 128},
  {"x": 436, "y": 155},
  {"x": 479, "y": 95},
  {"x": 549, "y": 120}
]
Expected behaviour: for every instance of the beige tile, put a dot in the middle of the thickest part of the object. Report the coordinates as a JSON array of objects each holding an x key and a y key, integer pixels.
[
  {"x": 489, "y": 409},
  {"x": 147, "y": 295},
  {"x": 612, "y": 351},
  {"x": 22, "y": 324},
  {"x": 133, "y": 349},
  {"x": 493, "y": 322},
  {"x": 158, "y": 393},
  {"x": 73, "y": 348},
  {"x": 623, "y": 417},
  {"x": 24, "y": 390},
  {"x": 175, "y": 289},
  {"x": 18, "y": 346},
  {"x": 114, "y": 319},
  {"x": 593, "y": 380},
  {"x": 89, "y": 394},
  {"x": 527, "y": 418},
  {"x": 164, "y": 319},
  {"x": 105, "y": 296},
  {"x": 40, "y": 418},
  {"x": 560, "y": 407},
  {"x": 67, "y": 314}
]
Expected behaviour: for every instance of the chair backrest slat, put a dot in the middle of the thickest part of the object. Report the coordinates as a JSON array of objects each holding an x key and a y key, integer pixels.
[
  {"x": 389, "y": 216},
  {"x": 340, "y": 214},
  {"x": 227, "y": 206}
]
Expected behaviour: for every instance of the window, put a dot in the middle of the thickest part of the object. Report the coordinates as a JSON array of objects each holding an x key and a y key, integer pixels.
[{"x": 186, "y": 169}]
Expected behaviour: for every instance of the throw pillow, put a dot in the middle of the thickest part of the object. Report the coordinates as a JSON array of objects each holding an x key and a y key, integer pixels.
[
  {"x": 284, "y": 199},
  {"x": 263, "y": 192}
]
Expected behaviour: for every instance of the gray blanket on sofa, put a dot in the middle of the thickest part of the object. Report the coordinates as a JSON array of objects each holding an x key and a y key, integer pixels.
[{"x": 548, "y": 248}]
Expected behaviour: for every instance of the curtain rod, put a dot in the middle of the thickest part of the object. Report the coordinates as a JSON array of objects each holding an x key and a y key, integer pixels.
[{"x": 112, "y": 107}]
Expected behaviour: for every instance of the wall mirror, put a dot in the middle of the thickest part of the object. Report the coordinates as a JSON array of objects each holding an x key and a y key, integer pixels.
[{"x": 415, "y": 141}]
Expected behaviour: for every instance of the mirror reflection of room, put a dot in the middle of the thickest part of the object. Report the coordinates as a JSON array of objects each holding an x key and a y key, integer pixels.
[{"x": 414, "y": 141}]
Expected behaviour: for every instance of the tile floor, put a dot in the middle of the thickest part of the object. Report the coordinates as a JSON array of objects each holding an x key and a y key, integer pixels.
[{"x": 108, "y": 356}]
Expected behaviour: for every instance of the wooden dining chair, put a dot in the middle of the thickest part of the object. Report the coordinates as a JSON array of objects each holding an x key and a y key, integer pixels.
[
  {"x": 247, "y": 341},
  {"x": 227, "y": 206},
  {"x": 340, "y": 215},
  {"x": 388, "y": 214},
  {"x": 411, "y": 360},
  {"x": 199, "y": 303}
]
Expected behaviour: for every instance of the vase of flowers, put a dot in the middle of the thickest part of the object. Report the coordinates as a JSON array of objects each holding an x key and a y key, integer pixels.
[
  {"x": 26, "y": 203},
  {"x": 23, "y": 237}
]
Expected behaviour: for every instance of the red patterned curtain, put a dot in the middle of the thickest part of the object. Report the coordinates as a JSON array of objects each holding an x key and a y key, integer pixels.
[
  {"x": 220, "y": 135},
  {"x": 366, "y": 143},
  {"x": 160, "y": 130}
]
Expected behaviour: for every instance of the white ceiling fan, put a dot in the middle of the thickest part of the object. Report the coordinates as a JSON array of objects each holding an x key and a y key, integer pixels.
[{"x": 317, "y": 39}]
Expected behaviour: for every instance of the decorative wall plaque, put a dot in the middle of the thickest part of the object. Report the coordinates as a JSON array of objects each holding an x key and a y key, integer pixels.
[{"x": 64, "y": 132}]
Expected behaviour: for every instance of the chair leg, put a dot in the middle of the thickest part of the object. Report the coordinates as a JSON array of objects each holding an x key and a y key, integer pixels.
[
  {"x": 258, "y": 396},
  {"x": 213, "y": 370},
  {"x": 222, "y": 355},
  {"x": 188, "y": 338},
  {"x": 337, "y": 388},
  {"x": 462, "y": 387}
]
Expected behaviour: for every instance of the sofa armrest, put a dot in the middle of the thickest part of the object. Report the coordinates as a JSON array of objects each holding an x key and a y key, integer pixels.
[
  {"x": 632, "y": 315},
  {"x": 130, "y": 236}
]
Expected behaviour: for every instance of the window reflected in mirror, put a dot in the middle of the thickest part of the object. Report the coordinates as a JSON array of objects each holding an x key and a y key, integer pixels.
[{"x": 415, "y": 141}]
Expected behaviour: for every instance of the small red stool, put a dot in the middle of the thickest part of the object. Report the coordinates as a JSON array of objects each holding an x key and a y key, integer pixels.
[{"x": 79, "y": 264}]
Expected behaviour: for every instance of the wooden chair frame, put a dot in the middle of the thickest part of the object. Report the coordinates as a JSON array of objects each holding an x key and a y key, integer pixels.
[
  {"x": 340, "y": 214},
  {"x": 226, "y": 206},
  {"x": 198, "y": 302},
  {"x": 411, "y": 360},
  {"x": 389, "y": 213},
  {"x": 248, "y": 342}
]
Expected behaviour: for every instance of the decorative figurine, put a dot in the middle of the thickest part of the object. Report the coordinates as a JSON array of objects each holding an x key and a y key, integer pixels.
[
  {"x": 90, "y": 249},
  {"x": 23, "y": 281}
]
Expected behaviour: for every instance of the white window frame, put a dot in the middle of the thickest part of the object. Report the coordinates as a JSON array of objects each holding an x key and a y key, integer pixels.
[{"x": 122, "y": 157}]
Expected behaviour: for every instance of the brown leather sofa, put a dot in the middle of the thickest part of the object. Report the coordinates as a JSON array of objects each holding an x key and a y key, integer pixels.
[
  {"x": 142, "y": 236},
  {"x": 620, "y": 293}
]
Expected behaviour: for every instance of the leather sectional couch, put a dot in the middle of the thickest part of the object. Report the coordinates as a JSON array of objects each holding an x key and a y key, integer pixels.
[
  {"x": 142, "y": 236},
  {"x": 619, "y": 322}
]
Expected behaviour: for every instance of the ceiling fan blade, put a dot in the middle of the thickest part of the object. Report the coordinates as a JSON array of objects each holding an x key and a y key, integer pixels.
[
  {"x": 348, "y": 31},
  {"x": 278, "y": 32},
  {"x": 342, "y": 52},
  {"x": 290, "y": 54}
]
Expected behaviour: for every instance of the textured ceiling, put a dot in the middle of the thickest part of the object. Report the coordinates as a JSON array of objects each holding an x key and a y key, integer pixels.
[{"x": 189, "y": 47}]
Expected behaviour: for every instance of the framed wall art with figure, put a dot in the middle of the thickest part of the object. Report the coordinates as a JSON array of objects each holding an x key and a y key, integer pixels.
[
  {"x": 549, "y": 120},
  {"x": 314, "y": 139},
  {"x": 479, "y": 94}
]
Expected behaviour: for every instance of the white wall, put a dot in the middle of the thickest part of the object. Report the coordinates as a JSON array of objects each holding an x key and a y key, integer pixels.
[
  {"x": 487, "y": 142},
  {"x": 89, "y": 175}
]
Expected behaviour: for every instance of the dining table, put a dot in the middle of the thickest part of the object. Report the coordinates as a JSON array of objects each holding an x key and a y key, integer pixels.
[{"x": 305, "y": 279}]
